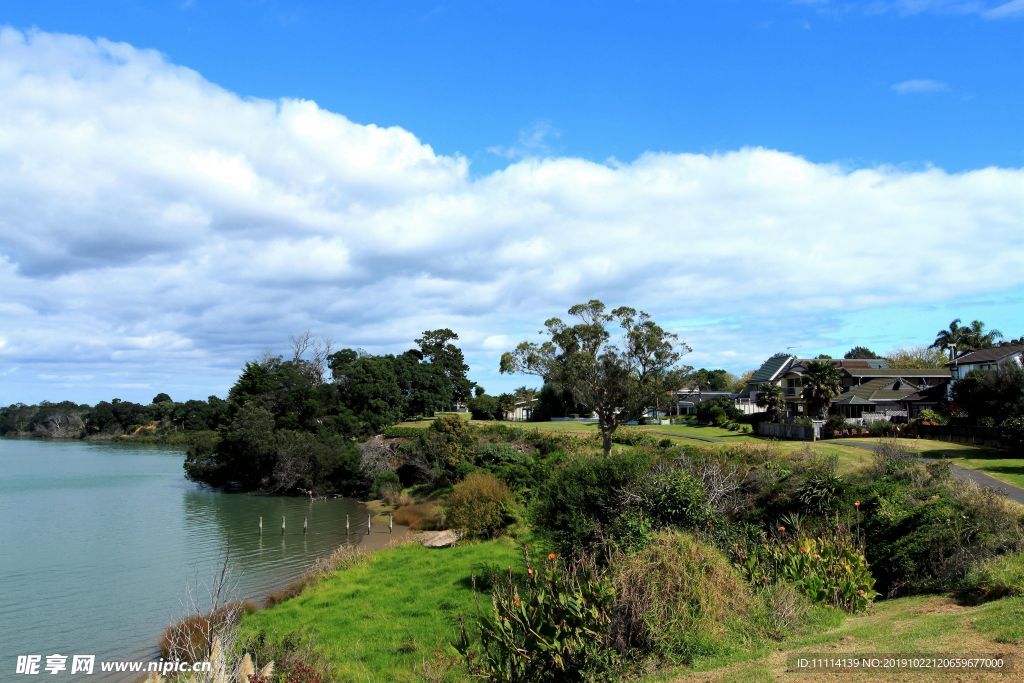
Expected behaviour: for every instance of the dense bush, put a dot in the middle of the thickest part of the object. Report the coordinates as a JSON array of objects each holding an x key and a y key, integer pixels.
[
  {"x": 552, "y": 628},
  {"x": 924, "y": 532},
  {"x": 517, "y": 468},
  {"x": 479, "y": 505},
  {"x": 678, "y": 599},
  {"x": 576, "y": 508},
  {"x": 1012, "y": 432}
]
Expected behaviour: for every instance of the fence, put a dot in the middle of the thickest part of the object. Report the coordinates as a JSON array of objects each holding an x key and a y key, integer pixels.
[
  {"x": 789, "y": 431},
  {"x": 977, "y": 436}
]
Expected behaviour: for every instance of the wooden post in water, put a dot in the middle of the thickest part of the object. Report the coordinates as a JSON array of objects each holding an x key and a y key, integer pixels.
[
  {"x": 282, "y": 525},
  {"x": 369, "y": 524},
  {"x": 346, "y": 525},
  {"x": 261, "y": 525},
  {"x": 391, "y": 523},
  {"x": 305, "y": 524}
]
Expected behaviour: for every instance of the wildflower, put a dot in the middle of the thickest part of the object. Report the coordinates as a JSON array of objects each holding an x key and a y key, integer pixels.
[
  {"x": 529, "y": 570},
  {"x": 782, "y": 529},
  {"x": 861, "y": 593},
  {"x": 552, "y": 556},
  {"x": 856, "y": 504}
]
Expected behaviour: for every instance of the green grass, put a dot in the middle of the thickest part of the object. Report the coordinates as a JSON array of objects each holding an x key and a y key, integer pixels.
[
  {"x": 380, "y": 621},
  {"x": 919, "y": 625},
  {"x": 994, "y": 462}
]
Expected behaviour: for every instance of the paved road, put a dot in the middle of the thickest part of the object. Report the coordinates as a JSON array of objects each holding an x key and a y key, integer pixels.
[{"x": 1012, "y": 492}]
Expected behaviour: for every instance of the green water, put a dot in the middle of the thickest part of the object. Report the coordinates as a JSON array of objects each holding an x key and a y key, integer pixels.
[{"x": 100, "y": 543}]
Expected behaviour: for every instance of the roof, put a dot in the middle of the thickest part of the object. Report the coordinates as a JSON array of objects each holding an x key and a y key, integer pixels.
[
  {"x": 898, "y": 372},
  {"x": 771, "y": 368},
  {"x": 995, "y": 353},
  {"x": 880, "y": 389}
]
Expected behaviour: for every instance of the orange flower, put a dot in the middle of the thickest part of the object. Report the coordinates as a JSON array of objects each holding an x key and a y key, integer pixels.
[
  {"x": 552, "y": 556},
  {"x": 856, "y": 504},
  {"x": 782, "y": 529}
]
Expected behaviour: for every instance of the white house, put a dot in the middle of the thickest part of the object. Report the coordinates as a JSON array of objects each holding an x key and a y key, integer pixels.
[{"x": 986, "y": 360}]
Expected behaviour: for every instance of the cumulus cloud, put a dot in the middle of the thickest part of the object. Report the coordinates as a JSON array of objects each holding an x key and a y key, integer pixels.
[
  {"x": 157, "y": 230},
  {"x": 917, "y": 86}
]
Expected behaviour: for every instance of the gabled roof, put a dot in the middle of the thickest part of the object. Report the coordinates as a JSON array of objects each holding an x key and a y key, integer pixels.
[
  {"x": 876, "y": 390},
  {"x": 996, "y": 353},
  {"x": 771, "y": 368}
]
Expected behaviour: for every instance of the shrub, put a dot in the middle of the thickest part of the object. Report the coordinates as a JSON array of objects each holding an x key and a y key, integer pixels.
[
  {"x": 829, "y": 570},
  {"x": 192, "y": 638},
  {"x": 892, "y": 459},
  {"x": 518, "y": 469},
  {"x": 553, "y": 628},
  {"x": 834, "y": 425},
  {"x": 674, "y": 498},
  {"x": 925, "y": 534},
  {"x": 883, "y": 428},
  {"x": 998, "y": 577},
  {"x": 479, "y": 505},
  {"x": 679, "y": 599},
  {"x": 1012, "y": 432},
  {"x": 576, "y": 507}
]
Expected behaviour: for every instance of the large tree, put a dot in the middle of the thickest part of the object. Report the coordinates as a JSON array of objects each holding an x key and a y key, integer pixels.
[
  {"x": 861, "y": 353},
  {"x": 619, "y": 376},
  {"x": 916, "y": 357},
  {"x": 822, "y": 381},
  {"x": 437, "y": 348}
]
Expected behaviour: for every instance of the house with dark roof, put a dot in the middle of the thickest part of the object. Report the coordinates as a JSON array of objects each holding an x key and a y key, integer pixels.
[
  {"x": 871, "y": 389},
  {"x": 986, "y": 360}
]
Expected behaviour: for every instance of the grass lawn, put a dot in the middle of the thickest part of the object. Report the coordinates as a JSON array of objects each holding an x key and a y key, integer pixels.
[
  {"x": 849, "y": 457},
  {"x": 994, "y": 462},
  {"x": 928, "y": 625},
  {"x": 381, "y": 621}
]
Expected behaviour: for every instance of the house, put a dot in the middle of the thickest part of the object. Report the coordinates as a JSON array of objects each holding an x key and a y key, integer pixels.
[
  {"x": 687, "y": 400},
  {"x": 986, "y": 360},
  {"x": 523, "y": 411},
  {"x": 870, "y": 389}
]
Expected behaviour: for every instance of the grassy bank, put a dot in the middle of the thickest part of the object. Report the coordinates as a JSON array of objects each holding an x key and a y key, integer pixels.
[
  {"x": 925, "y": 625},
  {"x": 386, "y": 619}
]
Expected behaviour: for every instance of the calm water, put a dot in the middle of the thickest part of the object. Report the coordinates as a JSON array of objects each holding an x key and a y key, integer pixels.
[{"x": 99, "y": 542}]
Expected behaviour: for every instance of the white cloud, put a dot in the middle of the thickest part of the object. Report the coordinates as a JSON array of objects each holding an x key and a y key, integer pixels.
[
  {"x": 987, "y": 9},
  {"x": 1014, "y": 9},
  {"x": 157, "y": 231},
  {"x": 917, "y": 86}
]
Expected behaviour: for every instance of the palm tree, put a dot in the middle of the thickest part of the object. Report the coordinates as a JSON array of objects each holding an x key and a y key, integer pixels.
[
  {"x": 950, "y": 340},
  {"x": 770, "y": 397},
  {"x": 977, "y": 338},
  {"x": 822, "y": 381}
]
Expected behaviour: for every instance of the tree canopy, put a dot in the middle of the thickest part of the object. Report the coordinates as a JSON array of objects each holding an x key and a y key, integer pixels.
[{"x": 620, "y": 376}]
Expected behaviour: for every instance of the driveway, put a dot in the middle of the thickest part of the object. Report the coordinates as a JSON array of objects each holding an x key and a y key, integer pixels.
[{"x": 1014, "y": 493}]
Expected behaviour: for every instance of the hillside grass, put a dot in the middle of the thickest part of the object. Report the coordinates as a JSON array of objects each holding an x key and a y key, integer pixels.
[
  {"x": 924, "y": 625},
  {"x": 849, "y": 458},
  {"x": 383, "y": 620}
]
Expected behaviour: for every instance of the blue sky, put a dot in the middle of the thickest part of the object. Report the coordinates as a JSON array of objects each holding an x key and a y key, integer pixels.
[{"x": 195, "y": 181}]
